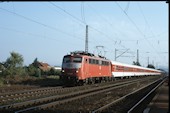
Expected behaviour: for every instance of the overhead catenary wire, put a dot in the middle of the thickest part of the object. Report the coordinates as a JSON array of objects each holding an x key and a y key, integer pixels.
[
  {"x": 101, "y": 32},
  {"x": 36, "y": 35},
  {"x": 136, "y": 27},
  {"x": 67, "y": 13},
  {"x": 82, "y": 12},
  {"x": 145, "y": 19},
  {"x": 111, "y": 25},
  {"x": 127, "y": 7},
  {"x": 85, "y": 24},
  {"x": 47, "y": 26},
  {"x": 81, "y": 21}
]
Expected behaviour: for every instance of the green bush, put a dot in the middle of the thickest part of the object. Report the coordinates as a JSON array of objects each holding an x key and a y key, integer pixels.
[{"x": 1, "y": 81}]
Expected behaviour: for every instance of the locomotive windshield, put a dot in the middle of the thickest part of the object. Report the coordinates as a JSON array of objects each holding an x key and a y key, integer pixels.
[
  {"x": 74, "y": 59},
  {"x": 66, "y": 60},
  {"x": 77, "y": 60}
]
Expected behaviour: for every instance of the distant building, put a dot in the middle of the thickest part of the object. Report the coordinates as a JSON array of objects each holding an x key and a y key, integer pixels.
[
  {"x": 44, "y": 66},
  {"x": 57, "y": 68}
]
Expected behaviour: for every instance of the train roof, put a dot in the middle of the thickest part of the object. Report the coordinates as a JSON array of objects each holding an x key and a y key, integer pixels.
[
  {"x": 113, "y": 62},
  {"x": 133, "y": 66},
  {"x": 86, "y": 54}
]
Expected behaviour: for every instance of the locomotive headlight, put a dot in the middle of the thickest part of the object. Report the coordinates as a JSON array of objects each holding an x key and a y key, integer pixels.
[
  {"x": 77, "y": 71},
  {"x": 63, "y": 71}
]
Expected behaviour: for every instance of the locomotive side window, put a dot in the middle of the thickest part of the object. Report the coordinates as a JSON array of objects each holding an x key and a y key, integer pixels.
[
  {"x": 100, "y": 62},
  {"x": 126, "y": 69},
  {"x": 90, "y": 61},
  {"x": 105, "y": 63},
  {"x": 97, "y": 62},
  {"x": 93, "y": 61}
]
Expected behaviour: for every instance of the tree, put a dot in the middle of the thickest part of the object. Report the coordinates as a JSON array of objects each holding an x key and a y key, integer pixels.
[
  {"x": 36, "y": 62},
  {"x": 33, "y": 69},
  {"x": 14, "y": 64},
  {"x": 15, "y": 60},
  {"x": 2, "y": 68}
]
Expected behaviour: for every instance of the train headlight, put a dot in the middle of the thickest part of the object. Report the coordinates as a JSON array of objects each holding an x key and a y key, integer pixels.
[
  {"x": 77, "y": 71},
  {"x": 62, "y": 71}
]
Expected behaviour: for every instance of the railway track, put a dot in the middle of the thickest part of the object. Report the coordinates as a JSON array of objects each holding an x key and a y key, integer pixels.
[
  {"x": 14, "y": 88},
  {"x": 20, "y": 96},
  {"x": 144, "y": 101},
  {"x": 130, "y": 103},
  {"x": 92, "y": 102},
  {"x": 14, "y": 97},
  {"x": 48, "y": 102}
]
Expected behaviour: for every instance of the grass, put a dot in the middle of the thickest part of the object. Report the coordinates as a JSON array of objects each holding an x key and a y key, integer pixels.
[{"x": 53, "y": 77}]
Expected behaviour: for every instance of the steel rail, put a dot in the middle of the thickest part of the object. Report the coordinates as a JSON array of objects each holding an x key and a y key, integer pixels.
[
  {"x": 129, "y": 111},
  {"x": 78, "y": 95},
  {"x": 75, "y": 97},
  {"x": 108, "y": 105},
  {"x": 7, "y": 96}
]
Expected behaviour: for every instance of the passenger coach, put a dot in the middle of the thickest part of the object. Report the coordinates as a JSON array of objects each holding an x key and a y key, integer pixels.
[{"x": 127, "y": 70}]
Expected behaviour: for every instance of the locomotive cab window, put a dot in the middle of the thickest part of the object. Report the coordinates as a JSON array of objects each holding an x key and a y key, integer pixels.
[
  {"x": 77, "y": 59},
  {"x": 66, "y": 60}
]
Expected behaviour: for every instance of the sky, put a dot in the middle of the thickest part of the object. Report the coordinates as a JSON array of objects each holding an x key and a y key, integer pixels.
[{"x": 50, "y": 30}]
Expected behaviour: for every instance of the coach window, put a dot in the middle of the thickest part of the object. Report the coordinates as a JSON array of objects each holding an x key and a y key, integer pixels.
[{"x": 115, "y": 67}]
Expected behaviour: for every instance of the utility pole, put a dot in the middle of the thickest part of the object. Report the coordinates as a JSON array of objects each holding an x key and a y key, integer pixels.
[
  {"x": 86, "y": 41},
  {"x": 148, "y": 60},
  {"x": 137, "y": 56},
  {"x": 115, "y": 53}
]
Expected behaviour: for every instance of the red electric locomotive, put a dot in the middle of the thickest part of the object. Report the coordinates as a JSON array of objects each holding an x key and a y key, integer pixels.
[{"x": 81, "y": 67}]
